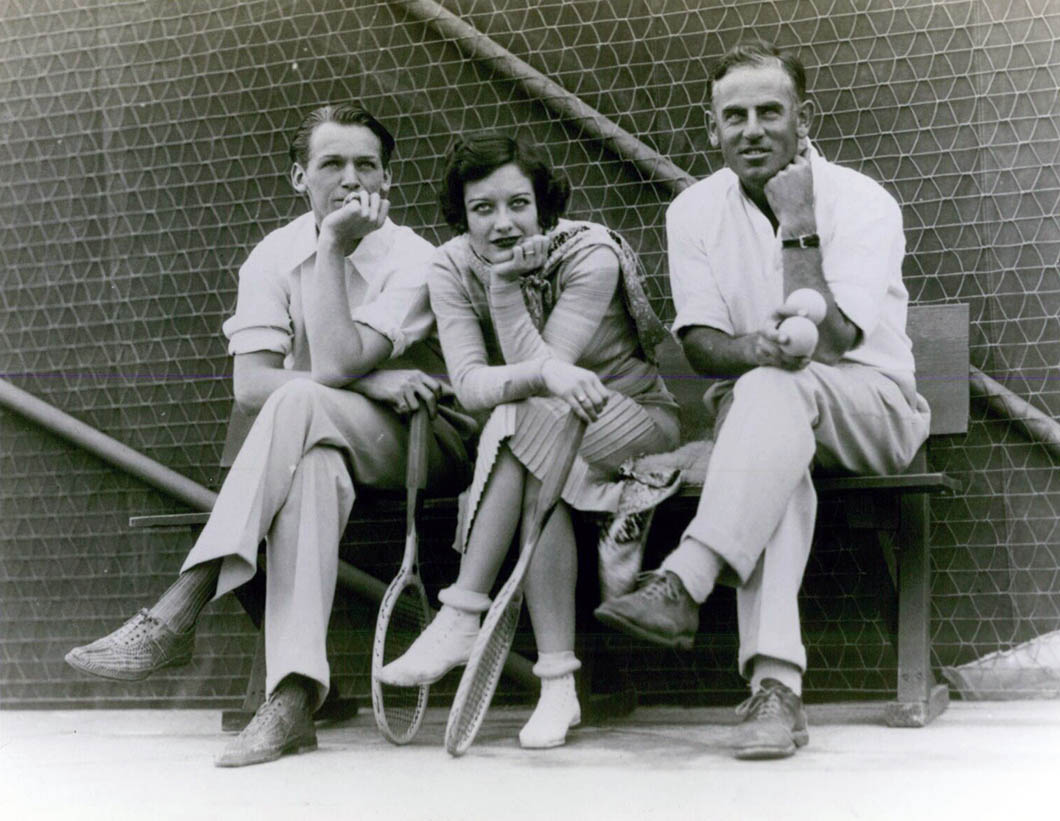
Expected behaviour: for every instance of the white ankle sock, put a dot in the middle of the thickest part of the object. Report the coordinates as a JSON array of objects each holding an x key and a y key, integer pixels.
[
  {"x": 557, "y": 707},
  {"x": 696, "y": 565}
]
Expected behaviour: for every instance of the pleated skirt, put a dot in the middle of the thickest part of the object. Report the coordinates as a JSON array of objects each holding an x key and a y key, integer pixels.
[{"x": 531, "y": 430}]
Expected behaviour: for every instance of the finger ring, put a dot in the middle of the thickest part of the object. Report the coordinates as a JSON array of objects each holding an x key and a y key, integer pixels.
[{"x": 581, "y": 398}]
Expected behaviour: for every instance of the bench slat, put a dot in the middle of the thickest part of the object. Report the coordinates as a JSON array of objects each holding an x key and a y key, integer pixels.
[
  {"x": 169, "y": 520},
  {"x": 901, "y": 483}
]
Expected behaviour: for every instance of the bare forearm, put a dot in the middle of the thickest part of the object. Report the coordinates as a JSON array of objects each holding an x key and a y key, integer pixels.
[
  {"x": 716, "y": 354},
  {"x": 790, "y": 195},
  {"x": 335, "y": 341},
  {"x": 252, "y": 384},
  {"x": 836, "y": 333}
]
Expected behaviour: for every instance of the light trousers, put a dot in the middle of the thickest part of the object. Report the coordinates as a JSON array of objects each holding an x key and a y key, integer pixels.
[
  {"x": 293, "y": 486},
  {"x": 758, "y": 505}
]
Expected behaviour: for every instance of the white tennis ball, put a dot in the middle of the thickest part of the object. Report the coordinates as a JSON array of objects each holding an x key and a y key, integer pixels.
[
  {"x": 808, "y": 303},
  {"x": 801, "y": 336}
]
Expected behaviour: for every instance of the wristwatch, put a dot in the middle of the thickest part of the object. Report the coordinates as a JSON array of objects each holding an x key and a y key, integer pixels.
[{"x": 805, "y": 241}]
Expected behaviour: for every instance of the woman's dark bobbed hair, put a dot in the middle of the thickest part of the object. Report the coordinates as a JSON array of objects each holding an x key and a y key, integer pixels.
[{"x": 475, "y": 156}]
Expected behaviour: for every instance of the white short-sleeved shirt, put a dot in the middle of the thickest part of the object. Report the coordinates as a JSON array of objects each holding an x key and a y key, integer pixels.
[
  {"x": 386, "y": 280},
  {"x": 726, "y": 271}
]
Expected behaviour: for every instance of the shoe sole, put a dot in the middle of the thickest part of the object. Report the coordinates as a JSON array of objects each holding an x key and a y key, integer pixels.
[
  {"x": 113, "y": 674},
  {"x": 679, "y": 642},
  {"x": 559, "y": 742},
  {"x": 294, "y": 748},
  {"x": 433, "y": 680},
  {"x": 765, "y": 752}
]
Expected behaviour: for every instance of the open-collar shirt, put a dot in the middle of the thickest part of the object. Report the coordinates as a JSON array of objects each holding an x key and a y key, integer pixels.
[
  {"x": 385, "y": 281},
  {"x": 726, "y": 271}
]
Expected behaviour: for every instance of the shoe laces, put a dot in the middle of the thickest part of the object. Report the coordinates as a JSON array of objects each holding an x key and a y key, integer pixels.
[
  {"x": 137, "y": 628},
  {"x": 659, "y": 586},
  {"x": 765, "y": 704},
  {"x": 273, "y": 707},
  {"x": 264, "y": 715}
]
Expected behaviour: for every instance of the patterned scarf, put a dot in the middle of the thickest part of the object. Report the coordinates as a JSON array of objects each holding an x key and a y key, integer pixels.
[{"x": 540, "y": 287}]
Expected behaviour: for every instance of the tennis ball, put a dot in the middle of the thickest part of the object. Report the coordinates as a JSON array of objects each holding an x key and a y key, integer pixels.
[
  {"x": 801, "y": 334},
  {"x": 808, "y": 303}
]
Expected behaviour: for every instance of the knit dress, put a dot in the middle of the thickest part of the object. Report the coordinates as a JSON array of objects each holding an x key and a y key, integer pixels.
[{"x": 494, "y": 351}]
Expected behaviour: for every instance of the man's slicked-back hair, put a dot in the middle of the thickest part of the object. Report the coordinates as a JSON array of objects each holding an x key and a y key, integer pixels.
[
  {"x": 341, "y": 114},
  {"x": 756, "y": 52},
  {"x": 475, "y": 156}
]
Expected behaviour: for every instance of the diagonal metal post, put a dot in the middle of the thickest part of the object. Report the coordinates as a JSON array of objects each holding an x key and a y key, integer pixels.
[
  {"x": 477, "y": 46},
  {"x": 1039, "y": 427}
]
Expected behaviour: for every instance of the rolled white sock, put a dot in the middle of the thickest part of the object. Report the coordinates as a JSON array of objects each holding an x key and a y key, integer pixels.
[
  {"x": 445, "y": 644},
  {"x": 557, "y": 707},
  {"x": 783, "y": 671}
]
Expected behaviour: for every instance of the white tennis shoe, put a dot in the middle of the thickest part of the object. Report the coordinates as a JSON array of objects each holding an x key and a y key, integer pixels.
[
  {"x": 445, "y": 644},
  {"x": 556, "y": 712}
]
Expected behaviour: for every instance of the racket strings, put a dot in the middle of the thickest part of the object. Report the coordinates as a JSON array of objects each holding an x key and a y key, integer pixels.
[
  {"x": 402, "y": 706},
  {"x": 486, "y": 672}
]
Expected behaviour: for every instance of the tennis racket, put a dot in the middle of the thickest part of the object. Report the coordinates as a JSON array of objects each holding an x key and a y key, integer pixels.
[
  {"x": 494, "y": 640},
  {"x": 404, "y": 611}
]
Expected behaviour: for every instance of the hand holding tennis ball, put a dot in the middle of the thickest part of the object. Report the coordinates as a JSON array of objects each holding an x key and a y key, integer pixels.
[
  {"x": 808, "y": 303},
  {"x": 804, "y": 309},
  {"x": 798, "y": 336}
]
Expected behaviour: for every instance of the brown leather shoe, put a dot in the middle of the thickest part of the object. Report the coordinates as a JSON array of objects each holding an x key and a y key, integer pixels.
[
  {"x": 282, "y": 725},
  {"x": 135, "y": 650},
  {"x": 774, "y": 723},
  {"x": 659, "y": 610}
]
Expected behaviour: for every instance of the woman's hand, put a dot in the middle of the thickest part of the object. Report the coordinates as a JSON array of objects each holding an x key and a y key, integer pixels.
[
  {"x": 527, "y": 255},
  {"x": 580, "y": 388}
]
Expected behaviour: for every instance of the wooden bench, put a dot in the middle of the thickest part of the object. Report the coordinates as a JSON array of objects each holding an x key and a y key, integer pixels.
[{"x": 896, "y": 507}]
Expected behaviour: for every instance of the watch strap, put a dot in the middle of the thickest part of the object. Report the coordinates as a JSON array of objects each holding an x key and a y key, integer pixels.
[{"x": 805, "y": 241}]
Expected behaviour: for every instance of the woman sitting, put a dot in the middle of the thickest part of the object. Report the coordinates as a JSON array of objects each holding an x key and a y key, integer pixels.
[{"x": 538, "y": 317}]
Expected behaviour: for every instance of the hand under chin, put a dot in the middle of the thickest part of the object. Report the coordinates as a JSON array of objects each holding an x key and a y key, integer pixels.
[{"x": 494, "y": 255}]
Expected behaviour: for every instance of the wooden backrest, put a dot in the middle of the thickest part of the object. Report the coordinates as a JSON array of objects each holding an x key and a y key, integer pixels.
[{"x": 940, "y": 348}]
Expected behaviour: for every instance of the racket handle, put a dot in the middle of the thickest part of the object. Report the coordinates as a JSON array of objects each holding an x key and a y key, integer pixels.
[{"x": 419, "y": 449}]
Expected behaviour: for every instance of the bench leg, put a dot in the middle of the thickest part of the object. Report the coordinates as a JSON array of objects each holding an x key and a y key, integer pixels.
[
  {"x": 605, "y": 689},
  {"x": 920, "y": 698}
]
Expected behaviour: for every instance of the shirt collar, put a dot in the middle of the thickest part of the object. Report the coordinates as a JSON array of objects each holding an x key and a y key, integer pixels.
[{"x": 302, "y": 243}]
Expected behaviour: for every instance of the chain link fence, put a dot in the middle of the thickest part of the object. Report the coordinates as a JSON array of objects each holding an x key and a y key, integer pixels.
[{"x": 143, "y": 154}]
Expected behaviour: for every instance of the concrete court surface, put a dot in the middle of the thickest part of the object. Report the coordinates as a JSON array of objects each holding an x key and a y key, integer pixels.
[{"x": 980, "y": 760}]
